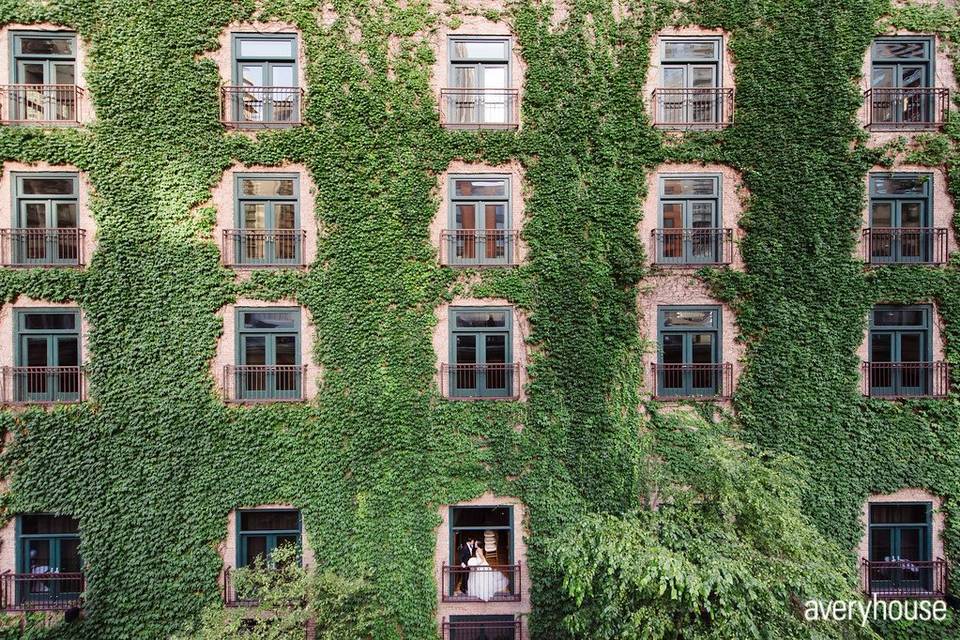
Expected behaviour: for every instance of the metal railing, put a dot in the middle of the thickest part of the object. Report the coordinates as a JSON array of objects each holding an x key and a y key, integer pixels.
[
  {"x": 264, "y": 247},
  {"x": 689, "y": 108},
  {"x": 497, "y": 583},
  {"x": 479, "y": 108},
  {"x": 40, "y": 104},
  {"x": 478, "y": 247},
  {"x": 41, "y": 247},
  {"x": 41, "y": 591},
  {"x": 692, "y": 246},
  {"x": 264, "y": 383},
  {"x": 43, "y": 385},
  {"x": 904, "y": 578},
  {"x": 480, "y": 381},
  {"x": 906, "y": 379},
  {"x": 904, "y": 245},
  {"x": 692, "y": 381},
  {"x": 252, "y": 107},
  {"x": 906, "y": 107},
  {"x": 480, "y": 630}
]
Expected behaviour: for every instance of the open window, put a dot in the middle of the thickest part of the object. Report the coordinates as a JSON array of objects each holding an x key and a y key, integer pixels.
[
  {"x": 482, "y": 565},
  {"x": 900, "y": 562}
]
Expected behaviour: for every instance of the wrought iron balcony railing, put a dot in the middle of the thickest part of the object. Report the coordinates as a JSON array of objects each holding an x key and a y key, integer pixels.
[
  {"x": 695, "y": 246},
  {"x": 706, "y": 108},
  {"x": 479, "y": 108},
  {"x": 264, "y": 247},
  {"x": 693, "y": 381},
  {"x": 254, "y": 107},
  {"x": 498, "y": 583},
  {"x": 906, "y": 108},
  {"x": 480, "y": 381},
  {"x": 478, "y": 630},
  {"x": 260, "y": 383},
  {"x": 904, "y": 245},
  {"x": 895, "y": 579},
  {"x": 906, "y": 379},
  {"x": 43, "y": 385},
  {"x": 41, "y": 591},
  {"x": 42, "y": 104},
  {"x": 41, "y": 247},
  {"x": 478, "y": 248}
]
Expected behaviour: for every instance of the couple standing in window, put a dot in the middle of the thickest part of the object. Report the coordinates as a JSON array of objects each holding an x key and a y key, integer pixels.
[{"x": 480, "y": 580}]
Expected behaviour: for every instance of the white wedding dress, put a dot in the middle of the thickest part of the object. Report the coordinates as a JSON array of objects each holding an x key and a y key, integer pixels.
[{"x": 485, "y": 582}]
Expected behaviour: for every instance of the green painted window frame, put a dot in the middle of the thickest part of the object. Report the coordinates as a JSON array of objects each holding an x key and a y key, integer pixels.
[
  {"x": 17, "y": 55},
  {"x": 690, "y": 246},
  {"x": 480, "y": 258},
  {"x": 452, "y": 530},
  {"x": 237, "y": 61},
  {"x": 691, "y": 386},
  {"x": 53, "y": 590},
  {"x": 271, "y": 391},
  {"x": 924, "y": 329},
  {"x": 270, "y": 534},
  {"x": 22, "y": 248},
  {"x": 476, "y": 104},
  {"x": 896, "y": 202},
  {"x": 53, "y": 382},
  {"x": 926, "y": 63},
  {"x": 896, "y": 531},
  {"x": 55, "y": 97},
  {"x": 269, "y": 245},
  {"x": 482, "y": 387}
]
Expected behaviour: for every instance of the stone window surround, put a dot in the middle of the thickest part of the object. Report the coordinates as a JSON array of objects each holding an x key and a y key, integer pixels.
[
  {"x": 226, "y": 345},
  {"x": 904, "y": 495}
]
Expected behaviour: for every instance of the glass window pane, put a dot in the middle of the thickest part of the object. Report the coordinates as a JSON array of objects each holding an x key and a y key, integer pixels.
[
  {"x": 266, "y": 187},
  {"x": 881, "y": 347},
  {"x": 466, "y": 350},
  {"x": 672, "y": 215},
  {"x": 47, "y": 186},
  {"x": 465, "y": 216},
  {"x": 690, "y": 186},
  {"x": 464, "y": 77},
  {"x": 36, "y": 353},
  {"x": 38, "y": 561},
  {"x": 68, "y": 352},
  {"x": 702, "y": 77},
  {"x": 883, "y": 77},
  {"x": 496, "y": 349},
  {"x": 32, "y": 73},
  {"x": 64, "y": 74},
  {"x": 66, "y": 213},
  {"x": 475, "y": 188},
  {"x": 285, "y": 216},
  {"x": 900, "y": 49},
  {"x": 467, "y": 319},
  {"x": 70, "y": 556},
  {"x": 36, "y": 215},
  {"x": 252, "y": 75},
  {"x": 255, "y": 351},
  {"x": 911, "y": 347},
  {"x": 911, "y": 215},
  {"x": 286, "y": 347},
  {"x": 495, "y": 216},
  {"x": 282, "y": 76},
  {"x": 269, "y": 320},
  {"x": 481, "y": 517},
  {"x": 898, "y": 317},
  {"x": 672, "y": 348},
  {"x": 254, "y": 215},
  {"x": 266, "y": 48},
  {"x": 256, "y": 546},
  {"x": 912, "y": 77},
  {"x": 50, "y": 321},
  {"x": 881, "y": 544},
  {"x": 899, "y": 185},
  {"x": 690, "y": 50},
  {"x": 898, "y": 513},
  {"x": 41, "y": 524},
  {"x": 702, "y": 348},
  {"x": 480, "y": 49},
  {"x": 882, "y": 214},
  {"x": 270, "y": 520},
  {"x": 673, "y": 77},
  {"x": 46, "y": 46},
  {"x": 692, "y": 318}
]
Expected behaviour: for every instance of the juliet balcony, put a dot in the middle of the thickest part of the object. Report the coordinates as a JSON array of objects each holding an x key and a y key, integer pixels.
[
  {"x": 480, "y": 381},
  {"x": 499, "y": 583},
  {"x": 904, "y": 245},
  {"x": 260, "y": 248},
  {"x": 687, "y": 108},
  {"x": 696, "y": 247},
  {"x": 906, "y": 379},
  {"x": 249, "y": 107},
  {"x": 906, "y": 108},
  {"x": 479, "y": 108},
  {"x": 904, "y": 579},
  {"x": 40, "y": 104},
  {"x": 263, "y": 383},
  {"x": 42, "y": 385},
  {"x": 713, "y": 381},
  {"x": 28, "y": 592},
  {"x": 50, "y": 247},
  {"x": 478, "y": 248}
]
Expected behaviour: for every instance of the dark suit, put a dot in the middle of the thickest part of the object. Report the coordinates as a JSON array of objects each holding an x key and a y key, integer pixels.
[{"x": 464, "y": 556}]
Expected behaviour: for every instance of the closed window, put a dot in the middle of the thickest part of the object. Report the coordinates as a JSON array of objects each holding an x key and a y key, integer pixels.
[
  {"x": 48, "y": 551},
  {"x": 502, "y": 627},
  {"x": 900, "y": 541},
  {"x": 901, "y": 77},
  {"x": 48, "y": 356},
  {"x": 900, "y": 208},
  {"x": 480, "y": 82},
  {"x": 479, "y": 231},
  {"x": 265, "y": 79},
  {"x": 689, "y": 346},
  {"x": 261, "y": 531},
  {"x": 268, "y": 354},
  {"x": 45, "y": 76},
  {"x": 47, "y": 213},
  {"x": 900, "y": 350},
  {"x": 690, "y": 74},
  {"x": 481, "y": 353},
  {"x": 268, "y": 221},
  {"x": 690, "y": 230}
]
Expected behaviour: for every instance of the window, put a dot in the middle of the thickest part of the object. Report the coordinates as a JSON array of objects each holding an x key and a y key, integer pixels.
[
  {"x": 268, "y": 221},
  {"x": 900, "y": 351},
  {"x": 45, "y": 75},
  {"x": 690, "y": 79},
  {"x": 479, "y": 232},
  {"x": 901, "y": 82},
  {"x": 268, "y": 354},
  {"x": 480, "y": 351},
  {"x": 48, "y": 551},
  {"x": 482, "y": 628},
  {"x": 480, "y": 93},
  {"x": 48, "y": 356},
  {"x": 261, "y": 531},
  {"x": 690, "y": 230},
  {"x": 689, "y": 341},
  {"x": 47, "y": 215},
  {"x": 900, "y": 540},
  {"x": 489, "y": 529},
  {"x": 265, "y": 80},
  {"x": 900, "y": 207}
]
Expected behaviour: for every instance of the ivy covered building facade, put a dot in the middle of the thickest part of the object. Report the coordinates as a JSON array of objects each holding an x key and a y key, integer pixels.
[{"x": 395, "y": 282}]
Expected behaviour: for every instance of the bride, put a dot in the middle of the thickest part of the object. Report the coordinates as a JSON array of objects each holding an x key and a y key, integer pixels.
[{"x": 485, "y": 581}]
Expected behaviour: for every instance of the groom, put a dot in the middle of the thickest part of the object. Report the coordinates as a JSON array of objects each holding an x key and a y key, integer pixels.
[{"x": 466, "y": 552}]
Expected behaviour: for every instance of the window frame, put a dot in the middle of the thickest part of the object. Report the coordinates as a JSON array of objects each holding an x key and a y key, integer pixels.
[
  {"x": 452, "y": 530},
  {"x": 480, "y": 251},
  {"x": 16, "y": 55},
  {"x": 716, "y": 328},
  {"x": 688, "y": 63},
  {"x": 269, "y": 245},
  {"x": 925, "y": 328},
  {"x": 687, "y": 257},
  {"x": 929, "y": 43},
  {"x": 23, "y": 245},
  {"x": 453, "y": 59},
  {"x": 21, "y": 559},
  {"x": 927, "y": 535},
  {"x": 270, "y": 392},
  {"x": 52, "y": 380},
  {"x": 241, "y": 535},
  {"x": 481, "y": 390},
  {"x": 896, "y": 201},
  {"x": 236, "y": 60}
]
